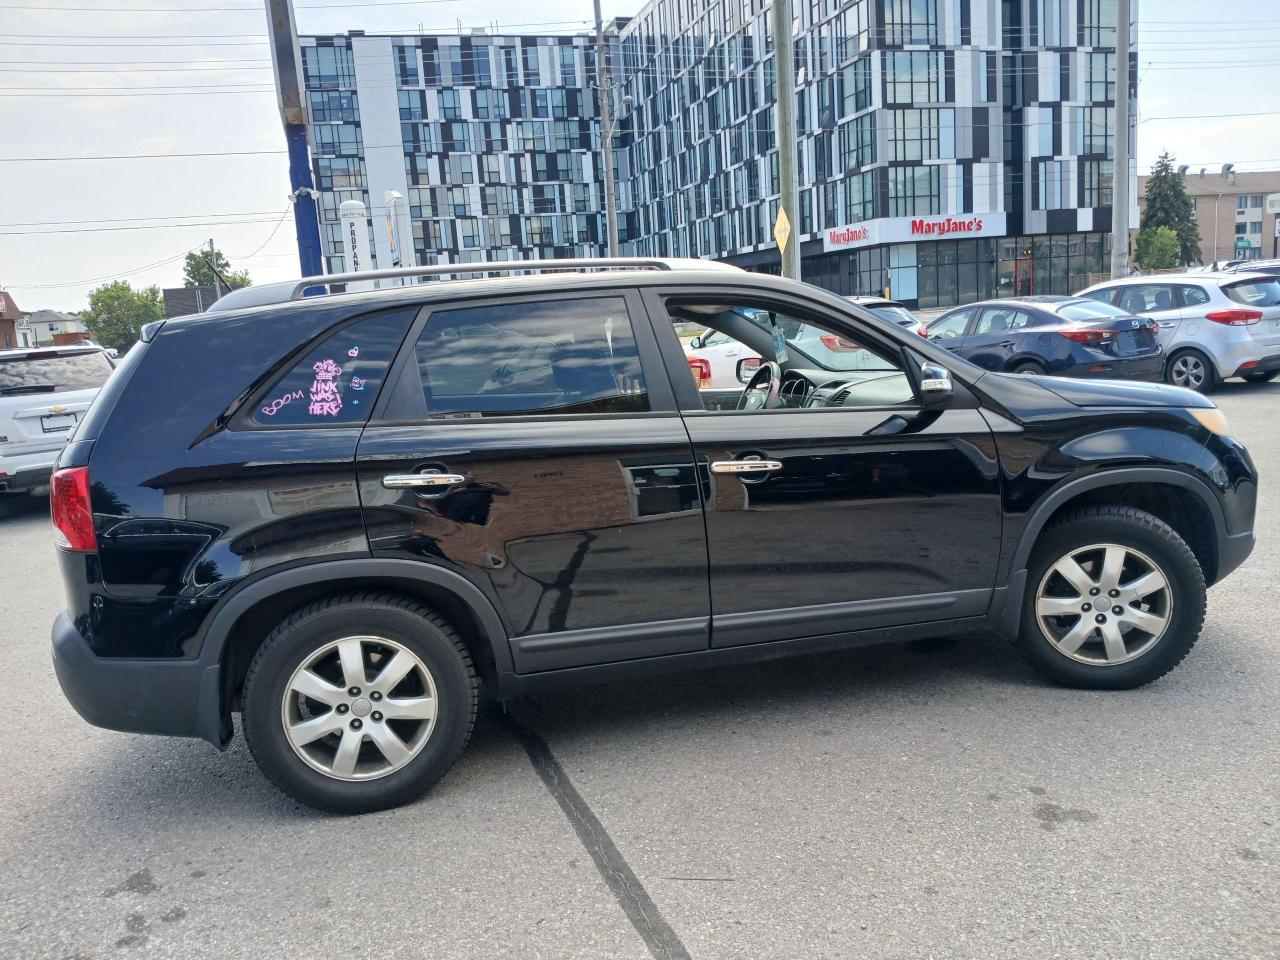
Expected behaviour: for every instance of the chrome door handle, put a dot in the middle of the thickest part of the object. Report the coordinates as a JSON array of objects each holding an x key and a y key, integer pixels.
[
  {"x": 1167, "y": 325},
  {"x": 745, "y": 466},
  {"x": 399, "y": 481}
]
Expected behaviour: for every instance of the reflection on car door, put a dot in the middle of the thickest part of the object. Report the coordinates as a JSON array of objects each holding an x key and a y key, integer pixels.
[
  {"x": 994, "y": 339},
  {"x": 875, "y": 517},
  {"x": 1159, "y": 301},
  {"x": 573, "y": 503}
]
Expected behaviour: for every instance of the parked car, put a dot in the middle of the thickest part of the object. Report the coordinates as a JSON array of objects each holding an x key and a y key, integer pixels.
[
  {"x": 892, "y": 310},
  {"x": 713, "y": 359},
  {"x": 321, "y": 513},
  {"x": 1063, "y": 336},
  {"x": 1212, "y": 325},
  {"x": 1269, "y": 267},
  {"x": 44, "y": 391}
]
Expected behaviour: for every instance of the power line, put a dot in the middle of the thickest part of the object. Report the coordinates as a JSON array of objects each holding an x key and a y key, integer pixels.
[
  {"x": 301, "y": 6},
  {"x": 110, "y": 276},
  {"x": 271, "y": 236},
  {"x": 154, "y": 226},
  {"x": 172, "y": 216}
]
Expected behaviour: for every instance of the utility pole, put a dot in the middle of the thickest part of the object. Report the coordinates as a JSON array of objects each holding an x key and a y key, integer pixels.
[
  {"x": 286, "y": 61},
  {"x": 604, "y": 94},
  {"x": 213, "y": 268},
  {"x": 788, "y": 222},
  {"x": 1124, "y": 149}
]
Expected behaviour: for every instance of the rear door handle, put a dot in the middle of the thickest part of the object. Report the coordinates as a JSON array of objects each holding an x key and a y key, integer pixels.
[
  {"x": 400, "y": 481},
  {"x": 1167, "y": 324},
  {"x": 745, "y": 466}
]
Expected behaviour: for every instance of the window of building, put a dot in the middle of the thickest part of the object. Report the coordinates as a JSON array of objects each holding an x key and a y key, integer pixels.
[
  {"x": 910, "y": 21},
  {"x": 1096, "y": 186},
  {"x": 1097, "y": 23},
  {"x": 339, "y": 139},
  {"x": 531, "y": 72},
  {"x": 545, "y": 357},
  {"x": 1100, "y": 84},
  {"x": 406, "y": 57},
  {"x": 860, "y": 197},
  {"x": 328, "y": 67},
  {"x": 1049, "y": 185},
  {"x": 855, "y": 87},
  {"x": 913, "y": 77},
  {"x": 339, "y": 173},
  {"x": 1255, "y": 200},
  {"x": 568, "y": 66},
  {"x": 338, "y": 380},
  {"x": 413, "y": 104},
  {"x": 913, "y": 191},
  {"x": 330, "y": 105},
  {"x": 1097, "y": 130},
  {"x": 449, "y": 105},
  {"x": 858, "y": 142},
  {"x": 1255, "y": 226},
  {"x": 922, "y": 134}
]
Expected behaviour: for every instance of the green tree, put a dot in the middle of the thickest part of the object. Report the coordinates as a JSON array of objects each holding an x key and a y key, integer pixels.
[
  {"x": 196, "y": 272},
  {"x": 1168, "y": 205},
  {"x": 1157, "y": 248},
  {"x": 117, "y": 313}
]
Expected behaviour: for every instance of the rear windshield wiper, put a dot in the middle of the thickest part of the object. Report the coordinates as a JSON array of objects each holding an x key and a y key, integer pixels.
[{"x": 29, "y": 388}]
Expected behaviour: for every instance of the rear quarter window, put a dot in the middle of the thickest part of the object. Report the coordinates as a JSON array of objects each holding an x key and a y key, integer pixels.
[
  {"x": 336, "y": 381},
  {"x": 1255, "y": 293}
]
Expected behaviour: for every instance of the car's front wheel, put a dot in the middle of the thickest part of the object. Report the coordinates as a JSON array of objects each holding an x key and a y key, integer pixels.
[
  {"x": 1115, "y": 599},
  {"x": 1192, "y": 369},
  {"x": 360, "y": 702}
]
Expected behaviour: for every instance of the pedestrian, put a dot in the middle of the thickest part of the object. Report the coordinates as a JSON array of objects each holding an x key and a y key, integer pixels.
[{"x": 1134, "y": 271}]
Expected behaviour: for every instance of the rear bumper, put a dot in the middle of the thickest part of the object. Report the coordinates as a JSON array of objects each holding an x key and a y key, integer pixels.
[
  {"x": 26, "y": 472},
  {"x": 175, "y": 698},
  {"x": 1149, "y": 368},
  {"x": 1261, "y": 366}
]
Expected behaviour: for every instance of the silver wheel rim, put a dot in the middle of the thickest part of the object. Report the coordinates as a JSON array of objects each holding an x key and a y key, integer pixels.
[
  {"x": 1188, "y": 371},
  {"x": 359, "y": 708},
  {"x": 1104, "y": 604}
]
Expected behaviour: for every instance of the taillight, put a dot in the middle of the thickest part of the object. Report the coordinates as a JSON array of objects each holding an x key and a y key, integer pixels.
[
  {"x": 838, "y": 344},
  {"x": 1235, "y": 317},
  {"x": 1086, "y": 336},
  {"x": 72, "y": 514},
  {"x": 701, "y": 370}
]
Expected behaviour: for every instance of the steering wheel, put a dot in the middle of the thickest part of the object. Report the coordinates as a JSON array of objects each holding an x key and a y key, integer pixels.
[{"x": 762, "y": 391}]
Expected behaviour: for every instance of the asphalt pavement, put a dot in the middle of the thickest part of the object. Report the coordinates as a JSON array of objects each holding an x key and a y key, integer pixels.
[{"x": 930, "y": 801}]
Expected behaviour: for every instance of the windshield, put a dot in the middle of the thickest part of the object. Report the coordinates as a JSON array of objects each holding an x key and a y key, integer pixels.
[
  {"x": 897, "y": 314},
  {"x": 49, "y": 372},
  {"x": 1089, "y": 310},
  {"x": 1255, "y": 293}
]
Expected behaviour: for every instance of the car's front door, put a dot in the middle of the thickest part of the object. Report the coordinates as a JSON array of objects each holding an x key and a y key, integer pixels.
[
  {"x": 871, "y": 514},
  {"x": 533, "y": 446},
  {"x": 995, "y": 340}
]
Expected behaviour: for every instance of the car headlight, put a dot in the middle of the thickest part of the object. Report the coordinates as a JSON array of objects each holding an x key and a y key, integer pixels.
[{"x": 1211, "y": 418}]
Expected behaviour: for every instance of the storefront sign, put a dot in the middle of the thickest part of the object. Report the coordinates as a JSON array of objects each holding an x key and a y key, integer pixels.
[{"x": 869, "y": 233}]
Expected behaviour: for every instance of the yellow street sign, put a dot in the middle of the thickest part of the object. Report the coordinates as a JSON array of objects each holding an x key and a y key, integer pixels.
[{"x": 782, "y": 229}]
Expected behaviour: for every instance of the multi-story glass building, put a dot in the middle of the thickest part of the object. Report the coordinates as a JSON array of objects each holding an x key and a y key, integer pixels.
[
  {"x": 492, "y": 141},
  {"x": 949, "y": 149}
]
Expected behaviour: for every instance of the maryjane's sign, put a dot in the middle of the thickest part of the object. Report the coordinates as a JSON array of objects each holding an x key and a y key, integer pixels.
[{"x": 869, "y": 233}]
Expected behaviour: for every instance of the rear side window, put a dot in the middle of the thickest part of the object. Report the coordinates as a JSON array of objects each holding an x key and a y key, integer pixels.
[
  {"x": 1105, "y": 295},
  {"x": 52, "y": 372},
  {"x": 998, "y": 319},
  {"x": 1150, "y": 298},
  {"x": 1082, "y": 310},
  {"x": 1255, "y": 293},
  {"x": 1194, "y": 296},
  {"x": 338, "y": 380},
  {"x": 544, "y": 357}
]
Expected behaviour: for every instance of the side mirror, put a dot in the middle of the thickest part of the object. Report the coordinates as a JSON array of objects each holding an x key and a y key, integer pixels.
[
  {"x": 695, "y": 343},
  {"x": 936, "y": 389},
  {"x": 747, "y": 368}
]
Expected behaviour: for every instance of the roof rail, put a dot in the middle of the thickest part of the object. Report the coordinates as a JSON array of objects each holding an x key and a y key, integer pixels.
[{"x": 294, "y": 289}]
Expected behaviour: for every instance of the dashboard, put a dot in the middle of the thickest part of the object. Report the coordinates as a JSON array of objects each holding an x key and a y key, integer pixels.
[{"x": 881, "y": 387}]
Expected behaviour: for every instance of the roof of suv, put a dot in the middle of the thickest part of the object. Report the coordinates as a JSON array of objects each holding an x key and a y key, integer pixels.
[{"x": 1220, "y": 277}]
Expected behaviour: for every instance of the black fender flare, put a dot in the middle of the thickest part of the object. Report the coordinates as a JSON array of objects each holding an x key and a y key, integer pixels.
[
  {"x": 1006, "y": 603},
  {"x": 230, "y": 609}
]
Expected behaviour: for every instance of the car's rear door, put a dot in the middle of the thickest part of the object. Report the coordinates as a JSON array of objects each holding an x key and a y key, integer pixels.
[
  {"x": 570, "y": 499},
  {"x": 1159, "y": 301}
]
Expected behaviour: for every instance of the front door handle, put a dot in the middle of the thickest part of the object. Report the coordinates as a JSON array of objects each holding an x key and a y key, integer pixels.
[
  {"x": 400, "y": 481},
  {"x": 745, "y": 466}
]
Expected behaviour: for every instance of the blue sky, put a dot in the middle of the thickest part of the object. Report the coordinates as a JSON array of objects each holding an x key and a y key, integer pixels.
[{"x": 1223, "y": 72}]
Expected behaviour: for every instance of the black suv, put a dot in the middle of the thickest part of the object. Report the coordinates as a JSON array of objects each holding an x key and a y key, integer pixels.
[{"x": 341, "y": 515}]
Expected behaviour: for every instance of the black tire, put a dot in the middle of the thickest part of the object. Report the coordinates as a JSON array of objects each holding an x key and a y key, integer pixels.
[
  {"x": 1194, "y": 360},
  {"x": 1127, "y": 527},
  {"x": 1262, "y": 376},
  {"x": 409, "y": 623},
  {"x": 1029, "y": 368}
]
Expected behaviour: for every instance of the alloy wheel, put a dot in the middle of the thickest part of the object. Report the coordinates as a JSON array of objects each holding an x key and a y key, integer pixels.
[
  {"x": 1188, "y": 370},
  {"x": 1104, "y": 604},
  {"x": 359, "y": 708}
]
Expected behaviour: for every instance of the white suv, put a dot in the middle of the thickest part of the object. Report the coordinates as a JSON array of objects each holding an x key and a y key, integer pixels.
[
  {"x": 44, "y": 391},
  {"x": 1212, "y": 325}
]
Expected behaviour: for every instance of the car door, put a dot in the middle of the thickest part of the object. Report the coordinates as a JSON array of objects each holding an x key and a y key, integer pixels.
[
  {"x": 573, "y": 504},
  {"x": 851, "y": 517},
  {"x": 1159, "y": 301},
  {"x": 994, "y": 339},
  {"x": 949, "y": 330}
]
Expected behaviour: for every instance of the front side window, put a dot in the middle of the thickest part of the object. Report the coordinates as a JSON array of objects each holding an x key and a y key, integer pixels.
[
  {"x": 543, "y": 357},
  {"x": 951, "y": 326},
  {"x": 336, "y": 381}
]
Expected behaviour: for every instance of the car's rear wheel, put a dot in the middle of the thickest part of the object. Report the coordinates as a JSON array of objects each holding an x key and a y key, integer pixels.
[
  {"x": 1191, "y": 369},
  {"x": 359, "y": 702},
  {"x": 1115, "y": 599},
  {"x": 1262, "y": 376},
  {"x": 1029, "y": 368}
]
